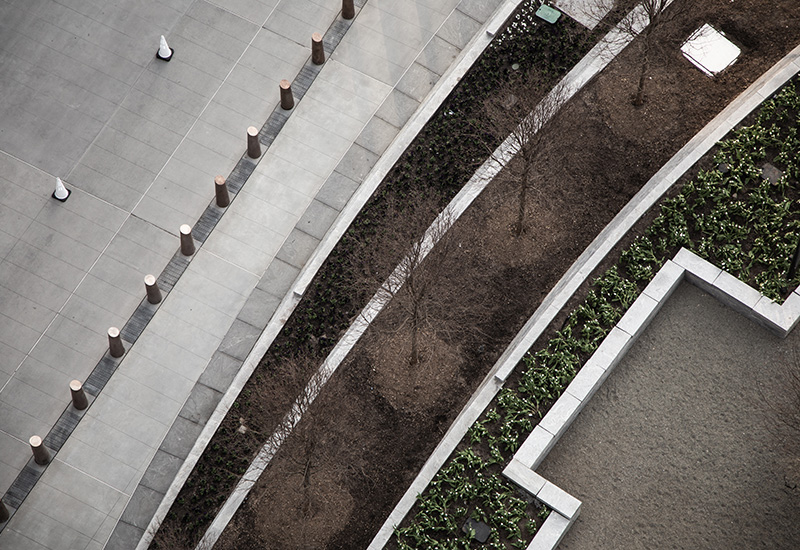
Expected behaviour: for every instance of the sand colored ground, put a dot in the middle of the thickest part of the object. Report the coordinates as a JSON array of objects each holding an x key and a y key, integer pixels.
[{"x": 674, "y": 451}]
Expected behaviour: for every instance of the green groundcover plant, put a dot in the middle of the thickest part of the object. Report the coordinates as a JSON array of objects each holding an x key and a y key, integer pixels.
[
  {"x": 732, "y": 215},
  {"x": 439, "y": 162}
]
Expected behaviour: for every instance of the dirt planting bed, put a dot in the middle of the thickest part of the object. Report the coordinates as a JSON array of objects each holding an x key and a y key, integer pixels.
[{"x": 365, "y": 438}]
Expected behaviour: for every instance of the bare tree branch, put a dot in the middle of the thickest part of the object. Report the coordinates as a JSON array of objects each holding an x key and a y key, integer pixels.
[
  {"x": 642, "y": 23},
  {"x": 415, "y": 290},
  {"x": 518, "y": 113}
]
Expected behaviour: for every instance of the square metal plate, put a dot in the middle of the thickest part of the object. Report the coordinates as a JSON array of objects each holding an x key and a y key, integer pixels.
[{"x": 709, "y": 50}]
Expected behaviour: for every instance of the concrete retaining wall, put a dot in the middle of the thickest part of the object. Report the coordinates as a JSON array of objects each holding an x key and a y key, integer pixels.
[{"x": 778, "y": 318}]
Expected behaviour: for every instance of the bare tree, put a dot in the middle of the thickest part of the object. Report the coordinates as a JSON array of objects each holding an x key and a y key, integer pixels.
[
  {"x": 293, "y": 380},
  {"x": 518, "y": 113},
  {"x": 654, "y": 17},
  {"x": 277, "y": 395},
  {"x": 643, "y": 23},
  {"x": 173, "y": 535},
  {"x": 297, "y": 436},
  {"x": 409, "y": 285},
  {"x": 297, "y": 500},
  {"x": 407, "y": 262}
]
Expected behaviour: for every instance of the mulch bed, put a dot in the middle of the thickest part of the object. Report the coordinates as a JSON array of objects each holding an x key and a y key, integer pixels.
[{"x": 363, "y": 441}]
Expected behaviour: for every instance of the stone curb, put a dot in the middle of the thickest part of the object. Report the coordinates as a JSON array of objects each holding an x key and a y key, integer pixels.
[
  {"x": 285, "y": 269},
  {"x": 557, "y": 298},
  {"x": 779, "y": 319}
]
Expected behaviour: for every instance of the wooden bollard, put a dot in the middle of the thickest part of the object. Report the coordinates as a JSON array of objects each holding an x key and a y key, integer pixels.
[
  {"x": 115, "y": 347},
  {"x": 187, "y": 242},
  {"x": 287, "y": 99},
  {"x": 348, "y": 10},
  {"x": 253, "y": 146},
  {"x": 317, "y": 51},
  {"x": 221, "y": 190},
  {"x": 4, "y": 514},
  {"x": 152, "y": 290},
  {"x": 40, "y": 453},
  {"x": 79, "y": 400}
]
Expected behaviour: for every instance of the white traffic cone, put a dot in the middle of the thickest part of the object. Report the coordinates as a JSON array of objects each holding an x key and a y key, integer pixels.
[
  {"x": 61, "y": 193},
  {"x": 164, "y": 51}
]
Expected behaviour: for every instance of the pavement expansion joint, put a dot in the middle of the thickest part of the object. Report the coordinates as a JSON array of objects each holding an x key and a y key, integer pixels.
[{"x": 172, "y": 272}]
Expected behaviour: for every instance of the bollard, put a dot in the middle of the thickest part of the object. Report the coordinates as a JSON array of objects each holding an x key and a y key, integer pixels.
[
  {"x": 164, "y": 52},
  {"x": 151, "y": 287},
  {"x": 317, "y": 51},
  {"x": 221, "y": 190},
  {"x": 4, "y": 514},
  {"x": 348, "y": 10},
  {"x": 253, "y": 146},
  {"x": 287, "y": 100},
  {"x": 187, "y": 242},
  {"x": 115, "y": 346},
  {"x": 61, "y": 193},
  {"x": 40, "y": 453},
  {"x": 79, "y": 400}
]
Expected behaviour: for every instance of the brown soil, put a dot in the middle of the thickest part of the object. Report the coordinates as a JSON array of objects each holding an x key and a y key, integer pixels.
[
  {"x": 364, "y": 440},
  {"x": 405, "y": 386}
]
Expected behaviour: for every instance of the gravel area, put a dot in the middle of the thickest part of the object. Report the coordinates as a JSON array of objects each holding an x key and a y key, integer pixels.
[{"x": 674, "y": 450}]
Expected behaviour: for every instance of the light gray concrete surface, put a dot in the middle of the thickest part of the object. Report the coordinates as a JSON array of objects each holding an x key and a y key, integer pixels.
[
  {"x": 138, "y": 141},
  {"x": 153, "y": 136}
]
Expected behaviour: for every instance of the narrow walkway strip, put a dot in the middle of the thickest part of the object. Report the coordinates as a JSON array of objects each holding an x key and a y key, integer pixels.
[
  {"x": 595, "y": 61},
  {"x": 757, "y": 92}
]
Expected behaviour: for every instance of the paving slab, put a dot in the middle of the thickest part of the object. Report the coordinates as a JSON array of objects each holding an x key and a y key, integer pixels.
[
  {"x": 148, "y": 140},
  {"x": 220, "y": 372},
  {"x": 161, "y": 472},
  {"x": 550, "y": 533}
]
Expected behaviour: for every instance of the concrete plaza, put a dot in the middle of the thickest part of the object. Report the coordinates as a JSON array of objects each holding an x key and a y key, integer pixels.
[{"x": 139, "y": 142}]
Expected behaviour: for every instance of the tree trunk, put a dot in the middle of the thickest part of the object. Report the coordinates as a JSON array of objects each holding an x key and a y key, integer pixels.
[
  {"x": 523, "y": 193},
  {"x": 638, "y": 100},
  {"x": 414, "y": 359}
]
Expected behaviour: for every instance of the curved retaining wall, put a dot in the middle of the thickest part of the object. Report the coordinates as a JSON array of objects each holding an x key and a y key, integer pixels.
[{"x": 732, "y": 292}]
